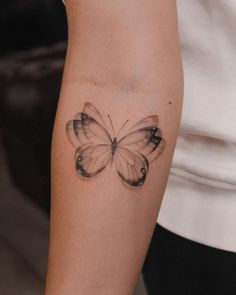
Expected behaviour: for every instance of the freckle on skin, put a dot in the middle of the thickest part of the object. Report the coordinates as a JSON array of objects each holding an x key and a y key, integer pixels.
[{"x": 170, "y": 102}]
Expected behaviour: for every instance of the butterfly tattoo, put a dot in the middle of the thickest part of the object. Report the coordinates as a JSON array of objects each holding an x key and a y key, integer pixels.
[{"x": 96, "y": 145}]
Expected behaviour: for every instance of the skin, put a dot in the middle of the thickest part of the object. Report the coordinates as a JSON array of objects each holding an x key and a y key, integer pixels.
[{"x": 123, "y": 57}]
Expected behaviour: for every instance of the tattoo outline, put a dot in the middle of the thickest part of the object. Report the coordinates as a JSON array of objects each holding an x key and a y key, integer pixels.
[{"x": 95, "y": 147}]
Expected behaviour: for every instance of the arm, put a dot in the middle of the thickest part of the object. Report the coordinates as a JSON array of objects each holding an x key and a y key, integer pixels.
[{"x": 123, "y": 57}]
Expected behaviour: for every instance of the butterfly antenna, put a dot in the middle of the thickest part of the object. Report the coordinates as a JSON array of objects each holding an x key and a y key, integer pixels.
[
  {"x": 112, "y": 127},
  {"x": 122, "y": 127}
]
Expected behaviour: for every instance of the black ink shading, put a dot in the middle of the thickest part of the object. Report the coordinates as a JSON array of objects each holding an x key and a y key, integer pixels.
[{"x": 131, "y": 152}]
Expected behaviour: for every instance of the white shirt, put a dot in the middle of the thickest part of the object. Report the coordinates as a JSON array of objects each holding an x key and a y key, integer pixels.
[{"x": 200, "y": 198}]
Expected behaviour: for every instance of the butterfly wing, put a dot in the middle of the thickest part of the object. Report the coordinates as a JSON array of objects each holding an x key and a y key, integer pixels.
[
  {"x": 93, "y": 112},
  {"x": 145, "y": 137},
  {"x": 84, "y": 128},
  {"x": 75, "y": 132},
  {"x": 132, "y": 167},
  {"x": 91, "y": 140},
  {"x": 91, "y": 159}
]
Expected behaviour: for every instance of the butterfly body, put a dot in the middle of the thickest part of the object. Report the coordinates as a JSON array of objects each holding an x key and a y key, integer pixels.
[
  {"x": 95, "y": 147},
  {"x": 114, "y": 145}
]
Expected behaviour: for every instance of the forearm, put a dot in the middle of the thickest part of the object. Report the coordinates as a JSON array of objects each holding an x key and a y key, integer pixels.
[{"x": 123, "y": 58}]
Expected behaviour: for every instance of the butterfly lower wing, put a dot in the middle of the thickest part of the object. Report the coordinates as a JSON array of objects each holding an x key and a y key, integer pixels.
[
  {"x": 145, "y": 137},
  {"x": 91, "y": 159},
  {"x": 132, "y": 167}
]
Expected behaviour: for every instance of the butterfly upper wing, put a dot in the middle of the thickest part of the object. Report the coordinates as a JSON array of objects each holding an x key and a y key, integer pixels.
[
  {"x": 91, "y": 140},
  {"x": 91, "y": 159},
  {"x": 75, "y": 132},
  {"x": 84, "y": 128},
  {"x": 145, "y": 137},
  {"x": 131, "y": 166},
  {"x": 93, "y": 112}
]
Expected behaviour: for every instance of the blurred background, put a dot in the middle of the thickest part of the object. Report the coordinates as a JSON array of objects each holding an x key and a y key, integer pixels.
[
  {"x": 32, "y": 51},
  {"x": 33, "y": 45}
]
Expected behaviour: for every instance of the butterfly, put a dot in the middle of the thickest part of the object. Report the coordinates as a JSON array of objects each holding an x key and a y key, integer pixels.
[{"x": 131, "y": 153}]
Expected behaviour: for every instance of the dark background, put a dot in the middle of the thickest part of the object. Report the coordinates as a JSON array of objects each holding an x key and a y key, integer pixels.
[
  {"x": 33, "y": 36},
  {"x": 26, "y": 24}
]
